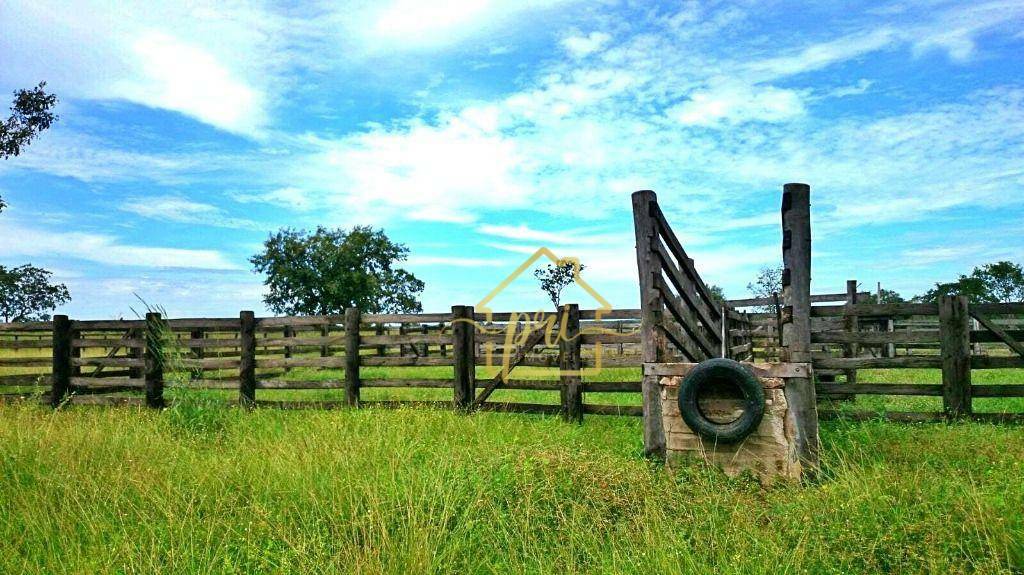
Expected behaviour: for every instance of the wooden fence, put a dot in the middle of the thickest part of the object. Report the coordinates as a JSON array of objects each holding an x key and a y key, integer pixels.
[{"x": 132, "y": 361}]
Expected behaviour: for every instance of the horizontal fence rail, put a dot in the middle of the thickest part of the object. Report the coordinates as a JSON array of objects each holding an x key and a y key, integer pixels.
[{"x": 126, "y": 362}]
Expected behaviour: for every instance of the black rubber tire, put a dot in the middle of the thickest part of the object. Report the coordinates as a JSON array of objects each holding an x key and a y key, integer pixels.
[{"x": 716, "y": 370}]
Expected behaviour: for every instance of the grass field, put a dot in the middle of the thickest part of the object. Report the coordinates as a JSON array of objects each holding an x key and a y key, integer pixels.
[{"x": 206, "y": 489}]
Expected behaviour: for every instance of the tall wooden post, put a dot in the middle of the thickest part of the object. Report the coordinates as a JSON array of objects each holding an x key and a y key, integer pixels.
[
  {"x": 653, "y": 346},
  {"x": 247, "y": 359},
  {"x": 570, "y": 362},
  {"x": 154, "y": 360},
  {"x": 197, "y": 352},
  {"x": 61, "y": 377},
  {"x": 463, "y": 353},
  {"x": 955, "y": 344},
  {"x": 796, "y": 329},
  {"x": 852, "y": 324},
  {"x": 325, "y": 331},
  {"x": 352, "y": 356},
  {"x": 289, "y": 332}
]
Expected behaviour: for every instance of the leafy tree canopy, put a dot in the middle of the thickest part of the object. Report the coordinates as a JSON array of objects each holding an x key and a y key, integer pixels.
[
  {"x": 886, "y": 296},
  {"x": 26, "y": 293},
  {"x": 31, "y": 113},
  {"x": 555, "y": 278},
  {"x": 332, "y": 269},
  {"x": 991, "y": 283},
  {"x": 767, "y": 283}
]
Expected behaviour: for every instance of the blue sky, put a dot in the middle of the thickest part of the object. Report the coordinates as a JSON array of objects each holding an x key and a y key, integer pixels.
[{"x": 476, "y": 131}]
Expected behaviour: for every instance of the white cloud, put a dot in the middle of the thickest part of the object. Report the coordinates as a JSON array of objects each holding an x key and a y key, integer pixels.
[
  {"x": 175, "y": 75},
  {"x": 736, "y": 104},
  {"x": 105, "y": 249},
  {"x": 288, "y": 197},
  {"x": 581, "y": 46},
  {"x": 183, "y": 210},
  {"x": 218, "y": 64}
]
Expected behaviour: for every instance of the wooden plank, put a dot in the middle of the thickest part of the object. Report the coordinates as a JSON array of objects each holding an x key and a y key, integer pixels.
[
  {"x": 916, "y": 361},
  {"x": 406, "y": 317},
  {"x": 681, "y": 340},
  {"x": 25, "y": 361},
  {"x": 190, "y": 323},
  {"x": 609, "y": 338},
  {"x": 298, "y": 321},
  {"x": 108, "y": 324},
  {"x": 796, "y": 333},
  {"x": 955, "y": 328},
  {"x": 989, "y": 362},
  {"x": 405, "y": 361},
  {"x": 247, "y": 359},
  {"x": 815, "y": 298},
  {"x": 352, "y": 338},
  {"x": 463, "y": 350},
  {"x": 108, "y": 342},
  {"x": 773, "y": 370},
  {"x": 108, "y": 362},
  {"x": 26, "y": 326},
  {"x": 300, "y": 384},
  {"x": 881, "y": 389},
  {"x": 876, "y": 337},
  {"x": 409, "y": 338},
  {"x": 336, "y": 362},
  {"x": 688, "y": 295},
  {"x": 686, "y": 264},
  {"x": 999, "y": 332},
  {"x": 570, "y": 363},
  {"x": 690, "y": 323},
  {"x": 885, "y": 309},
  {"x": 212, "y": 342},
  {"x": 998, "y": 390},
  {"x": 46, "y": 343},
  {"x": 26, "y": 379},
  {"x": 989, "y": 309}
]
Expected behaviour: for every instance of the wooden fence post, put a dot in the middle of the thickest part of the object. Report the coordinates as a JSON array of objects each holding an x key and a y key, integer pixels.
[
  {"x": 570, "y": 362},
  {"x": 955, "y": 344},
  {"x": 198, "y": 352},
  {"x": 352, "y": 356},
  {"x": 653, "y": 348},
  {"x": 289, "y": 331},
  {"x": 796, "y": 331},
  {"x": 154, "y": 360},
  {"x": 463, "y": 354},
  {"x": 61, "y": 377},
  {"x": 851, "y": 324},
  {"x": 325, "y": 331},
  {"x": 247, "y": 359}
]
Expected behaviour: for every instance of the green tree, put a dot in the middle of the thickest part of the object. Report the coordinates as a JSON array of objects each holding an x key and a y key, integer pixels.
[
  {"x": 331, "y": 269},
  {"x": 26, "y": 293},
  {"x": 991, "y": 283},
  {"x": 555, "y": 278},
  {"x": 1004, "y": 280},
  {"x": 717, "y": 294},
  {"x": 767, "y": 283},
  {"x": 31, "y": 113},
  {"x": 886, "y": 296}
]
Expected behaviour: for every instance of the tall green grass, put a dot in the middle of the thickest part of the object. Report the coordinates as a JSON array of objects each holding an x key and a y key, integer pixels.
[{"x": 127, "y": 490}]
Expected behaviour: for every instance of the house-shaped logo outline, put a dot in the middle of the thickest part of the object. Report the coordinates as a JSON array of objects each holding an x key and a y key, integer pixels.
[{"x": 605, "y": 306}]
